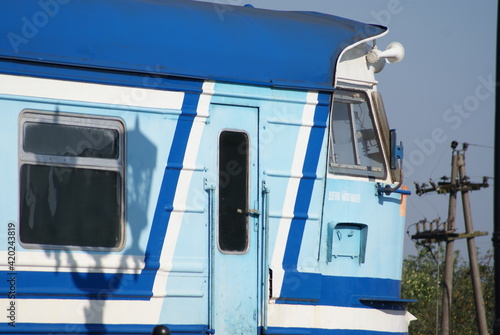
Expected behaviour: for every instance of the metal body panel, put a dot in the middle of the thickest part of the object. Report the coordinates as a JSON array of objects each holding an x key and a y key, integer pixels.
[
  {"x": 170, "y": 269},
  {"x": 162, "y": 275},
  {"x": 234, "y": 275}
]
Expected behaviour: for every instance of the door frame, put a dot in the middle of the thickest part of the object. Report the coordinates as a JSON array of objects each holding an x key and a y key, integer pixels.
[{"x": 220, "y": 122}]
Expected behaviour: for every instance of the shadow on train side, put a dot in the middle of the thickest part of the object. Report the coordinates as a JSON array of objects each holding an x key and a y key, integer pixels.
[{"x": 93, "y": 284}]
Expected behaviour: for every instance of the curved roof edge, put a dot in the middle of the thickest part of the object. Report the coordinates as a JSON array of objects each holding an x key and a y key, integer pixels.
[{"x": 182, "y": 38}]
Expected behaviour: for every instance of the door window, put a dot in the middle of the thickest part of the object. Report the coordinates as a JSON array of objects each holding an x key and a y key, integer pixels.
[{"x": 233, "y": 192}]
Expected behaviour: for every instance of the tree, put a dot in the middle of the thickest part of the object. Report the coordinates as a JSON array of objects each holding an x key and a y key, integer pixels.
[{"x": 423, "y": 281}]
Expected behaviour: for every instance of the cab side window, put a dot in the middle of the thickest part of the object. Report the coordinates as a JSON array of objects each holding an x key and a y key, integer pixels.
[{"x": 354, "y": 143}]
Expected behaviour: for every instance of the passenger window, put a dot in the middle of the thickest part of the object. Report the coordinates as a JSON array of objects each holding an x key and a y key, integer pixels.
[
  {"x": 233, "y": 191},
  {"x": 71, "y": 180},
  {"x": 70, "y": 140},
  {"x": 354, "y": 144}
]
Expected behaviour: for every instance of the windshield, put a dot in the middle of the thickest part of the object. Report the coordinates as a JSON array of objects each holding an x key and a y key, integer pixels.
[{"x": 354, "y": 144}]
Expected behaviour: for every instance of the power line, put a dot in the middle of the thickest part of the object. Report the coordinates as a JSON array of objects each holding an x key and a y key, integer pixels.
[{"x": 482, "y": 146}]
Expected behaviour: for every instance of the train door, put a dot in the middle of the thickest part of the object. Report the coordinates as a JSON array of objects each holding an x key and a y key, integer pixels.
[{"x": 234, "y": 268}]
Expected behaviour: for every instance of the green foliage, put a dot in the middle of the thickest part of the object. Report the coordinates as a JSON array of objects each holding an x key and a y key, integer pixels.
[{"x": 423, "y": 281}]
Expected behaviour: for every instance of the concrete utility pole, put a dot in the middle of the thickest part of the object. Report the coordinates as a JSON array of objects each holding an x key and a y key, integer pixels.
[
  {"x": 471, "y": 245},
  {"x": 449, "y": 235},
  {"x": 450, "y": 244}
]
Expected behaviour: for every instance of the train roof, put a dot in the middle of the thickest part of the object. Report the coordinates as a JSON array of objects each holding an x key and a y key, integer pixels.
[{"x": 181, "y": 38}]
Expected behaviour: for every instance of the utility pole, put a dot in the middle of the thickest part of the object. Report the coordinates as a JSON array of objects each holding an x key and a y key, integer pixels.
[
  {"x": 450, "y": 244},
  {"x": 471, "y": 245},
  {"x": 449, "y": 235}
]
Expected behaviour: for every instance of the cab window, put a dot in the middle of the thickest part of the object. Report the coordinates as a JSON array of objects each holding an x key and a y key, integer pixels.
[{"x": 354, "y": 143}]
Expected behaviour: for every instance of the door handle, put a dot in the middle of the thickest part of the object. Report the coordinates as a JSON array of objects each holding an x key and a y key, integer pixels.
[{"x": 250, "y": 212}]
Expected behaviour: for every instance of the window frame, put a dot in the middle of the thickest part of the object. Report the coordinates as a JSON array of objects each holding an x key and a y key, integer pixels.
[
  {"x": 117, "y": 165},
  {"x": 355, "y": 170}
]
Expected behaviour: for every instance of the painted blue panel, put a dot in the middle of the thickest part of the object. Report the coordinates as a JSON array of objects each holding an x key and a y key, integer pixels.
[
  {"x": 184, "y": 38},
  {"x": 62, "y": 328},
  {"x": 38, "y": 328},
  {"x": 306, "y": 186},
  {"x": 121, "y": 286},
  {"x": 346, "y": 241},
  {"x": 97, "y": 286},
  {"x": 356, "y": 202},
  {"x": 9, "y": 166},
  {"x": 317, "y": 289}
]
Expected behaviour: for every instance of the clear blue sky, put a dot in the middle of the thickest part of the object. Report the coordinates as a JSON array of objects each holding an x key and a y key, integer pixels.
[{"x": 442, "y": 91}]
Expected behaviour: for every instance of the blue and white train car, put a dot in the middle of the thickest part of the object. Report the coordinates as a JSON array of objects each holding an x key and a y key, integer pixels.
[{"x": 213, "y": 169}]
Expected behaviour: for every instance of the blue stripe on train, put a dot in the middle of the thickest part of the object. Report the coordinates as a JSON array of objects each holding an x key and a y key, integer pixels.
[
  {"x": 315, "y": 289},
  {"x": 61, "y": 328},
  {"x": 304, "y": 195},
  {"x": 103, "y": 286},
  {"x": 305, "y": 190},
  {"x": 170, "y": 182},
  {"x": 67, "y": 328}
]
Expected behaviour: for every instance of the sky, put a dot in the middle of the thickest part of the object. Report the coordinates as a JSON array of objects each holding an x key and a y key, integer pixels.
[{"x": 442, "y": 91}]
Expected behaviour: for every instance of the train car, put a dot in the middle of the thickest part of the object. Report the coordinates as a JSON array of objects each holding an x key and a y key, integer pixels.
[{"x": 182, "y": 167}]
